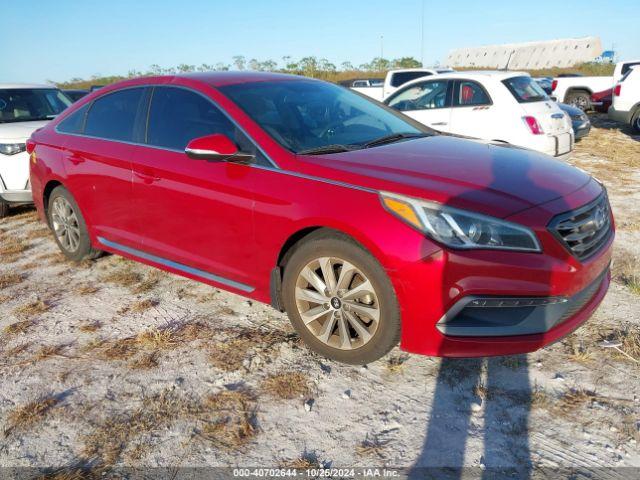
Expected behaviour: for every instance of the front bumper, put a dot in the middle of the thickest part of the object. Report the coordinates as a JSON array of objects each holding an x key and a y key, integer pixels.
[
  {"x": 581, "y": 129},
  {"x": 15, "y": 196},
  {"x": 432, "y": 286}
]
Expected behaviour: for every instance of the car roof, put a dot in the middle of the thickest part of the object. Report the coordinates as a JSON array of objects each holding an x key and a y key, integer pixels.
[
  {"x": 8, "y": 86},
  {"x": 218, "y": 79}
]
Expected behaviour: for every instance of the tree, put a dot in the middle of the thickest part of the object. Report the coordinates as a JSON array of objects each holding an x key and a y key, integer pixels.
[
  {"x": 239, "y": 62},
  {"x": 347, "y": 66},
  {"x": 406, "y": 62}
]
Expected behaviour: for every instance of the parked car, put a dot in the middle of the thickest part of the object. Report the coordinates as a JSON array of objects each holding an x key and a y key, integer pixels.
[
  {"x": 23, "y": 109},
  {"x": 75, "y": 94},
  {"x": 577, "y": 90},
  {"x": 498, "y": 106},
  {"x": 626, "y": 100},
  {"x": 367, "y": 83},
  {"x": 579, "y": 120},
  {"x": 363, "y": 225},
  {"x": 601, "y": 101},
  {"x": 545, "y": 84},
  {"x": 395, "y": 79}
]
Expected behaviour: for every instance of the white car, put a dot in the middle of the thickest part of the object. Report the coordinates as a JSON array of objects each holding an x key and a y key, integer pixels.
[
  {"x": 577, "y": 90},
  {"x": 626, "y": 99},
  {"x": 23, "y": 109},
  {"x": 497, "y": 106},
  {"x": 394, "y": 80}
]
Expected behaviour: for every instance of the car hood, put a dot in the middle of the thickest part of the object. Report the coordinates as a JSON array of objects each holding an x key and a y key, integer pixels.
[
  {"x": 20, "y": 131},
  {"x": 495, "y": 179}
]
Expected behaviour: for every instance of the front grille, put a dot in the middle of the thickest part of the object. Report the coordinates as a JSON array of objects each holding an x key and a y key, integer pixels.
[{"x": 585, "y": 230}]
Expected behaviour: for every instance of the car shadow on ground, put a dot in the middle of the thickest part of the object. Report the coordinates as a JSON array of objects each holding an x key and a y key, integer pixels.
[
  {"x": 600, "y": 120},
  {"x": 478, "y": 400}
]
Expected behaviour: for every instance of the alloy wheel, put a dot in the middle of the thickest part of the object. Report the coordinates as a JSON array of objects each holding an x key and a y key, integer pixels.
[
  {"x": 65, "y": 224},
  {"x": 337, "y": 303}
]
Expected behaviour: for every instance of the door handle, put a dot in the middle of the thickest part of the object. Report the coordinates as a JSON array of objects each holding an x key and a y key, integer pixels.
[
  {"x": 440, "y": 123},
  {"x": 75, "y": 159},
  {"x": 147, "y": 178}
]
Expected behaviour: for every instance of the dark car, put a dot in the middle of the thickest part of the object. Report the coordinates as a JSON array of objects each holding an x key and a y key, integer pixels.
[
  {"x": 601, "y": 101},
  {"x": 75, "y": 94},
  {"x": 579, "y": 120}
]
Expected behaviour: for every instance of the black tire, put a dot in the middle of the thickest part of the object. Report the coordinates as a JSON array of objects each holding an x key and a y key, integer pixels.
[
  {"x": 4, "y": 209},
  {"x": 635, "y": 122},
  {"x": 84, "y": 248},
  {"x": 332, "y": 244},
  {"x": 580, "y": 99}
]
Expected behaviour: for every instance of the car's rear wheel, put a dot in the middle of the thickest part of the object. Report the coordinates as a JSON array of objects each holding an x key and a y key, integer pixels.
[
  {"x": 580, "y": 99},
  {"x": 635, "y": 123},
  {"x": 68, "y": 226},
  {"x": 340, "y": 300},
  {"x": 4, "y": 209}
]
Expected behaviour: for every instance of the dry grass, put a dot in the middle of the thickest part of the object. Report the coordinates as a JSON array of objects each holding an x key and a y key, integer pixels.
[
  {"x": 86, "y": 289},
  {"x": 31, "y": 309},
  {"x": 49, "y": 351},
  {"x": 28, "y": 415},
  {"x": 10, "y": 279},
  {"x": 626, "y": 270},
  {"x": 540, "y": 398},
  {"x": 125, "y": 277},
  {"x": 37, "y": 233},
  {"x": 303, "y": 462},
  {"x": 143, "y": 305},
  {"x": 90, "y": 327},
  {"x": 150, "y": 282},
  {"x": 396, "y": 363},
  {"x": 18, "y": 328},
  {"x": 145, "y": 361},
  {"x": 12, "y": 246},
  {"x": 578, "y": 351},
  {"x": 628, "y": 336},
  {"x": 371, "y": 447},
  {"x": 229, "y": 356},
  {"x": 17, "y": 350},
  {"x": 233, "y": 424},
  {"x": 287, "y": 386}
]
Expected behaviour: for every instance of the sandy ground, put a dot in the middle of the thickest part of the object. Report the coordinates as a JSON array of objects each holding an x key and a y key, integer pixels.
[{"x": 111, "y": 363}]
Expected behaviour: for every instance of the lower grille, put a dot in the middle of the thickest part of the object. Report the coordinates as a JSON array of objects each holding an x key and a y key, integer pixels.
[{"x": 585, "y": 230}]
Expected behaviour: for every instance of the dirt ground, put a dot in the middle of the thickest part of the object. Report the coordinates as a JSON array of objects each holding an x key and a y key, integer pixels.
[{"x": 111, "y": 363}]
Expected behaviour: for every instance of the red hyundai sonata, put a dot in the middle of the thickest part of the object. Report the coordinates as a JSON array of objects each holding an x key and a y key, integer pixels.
[{"x": 365, "y": 227}]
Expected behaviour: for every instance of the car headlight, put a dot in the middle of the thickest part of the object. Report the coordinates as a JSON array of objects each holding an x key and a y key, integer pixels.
[
  {"x": 459, "y": 228},
  {"x": 12, "y": 148}
]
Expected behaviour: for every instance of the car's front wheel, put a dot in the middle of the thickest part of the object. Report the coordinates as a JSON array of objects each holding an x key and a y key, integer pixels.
[
  {"x": 68, "y": 226},
  {"x": 340, "y": 300},
  {"x": 4, "y": 209}
]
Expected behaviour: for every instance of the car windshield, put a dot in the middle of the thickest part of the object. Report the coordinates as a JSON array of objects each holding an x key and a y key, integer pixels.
[
  {"x": 307, "y": 116},
  {"x": 525, "y": 89},
  {"x": 29, "y": 104}
]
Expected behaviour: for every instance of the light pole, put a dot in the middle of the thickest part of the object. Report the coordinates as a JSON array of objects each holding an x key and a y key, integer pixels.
[{"x": 422, "y": 36}]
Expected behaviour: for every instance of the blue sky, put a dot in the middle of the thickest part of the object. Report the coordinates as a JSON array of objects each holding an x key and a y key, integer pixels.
[{"x": 61, "y": 39}]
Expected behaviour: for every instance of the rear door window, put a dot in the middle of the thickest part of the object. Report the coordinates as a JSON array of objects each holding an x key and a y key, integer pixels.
[
  {"x": 422, "y": 96},
  {"x": 468, "y": 93},
  {"x": 114, "y": 115},
  {"x": 525, "y": 89}
]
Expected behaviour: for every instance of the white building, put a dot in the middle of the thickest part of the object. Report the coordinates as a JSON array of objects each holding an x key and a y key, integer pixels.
[{"x": 531, "y": 55}]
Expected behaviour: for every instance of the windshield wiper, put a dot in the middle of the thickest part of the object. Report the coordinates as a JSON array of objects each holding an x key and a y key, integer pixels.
[
  {"x": 394, "y": 137},
  {"x": 336, "y": 148}
]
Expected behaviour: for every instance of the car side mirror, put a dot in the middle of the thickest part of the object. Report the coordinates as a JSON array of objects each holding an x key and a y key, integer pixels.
[{"x": 216, "y": 148}]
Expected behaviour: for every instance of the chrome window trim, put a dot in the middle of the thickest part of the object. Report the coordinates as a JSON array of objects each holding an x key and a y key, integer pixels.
[
  {"x": 178, "y": 266},
  {"x": 153, "y": 87}
]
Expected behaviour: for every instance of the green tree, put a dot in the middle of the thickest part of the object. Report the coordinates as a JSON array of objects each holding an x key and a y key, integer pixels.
[
  {"x": 406, "y": 62},
  {"x": 239, "y": 62}
]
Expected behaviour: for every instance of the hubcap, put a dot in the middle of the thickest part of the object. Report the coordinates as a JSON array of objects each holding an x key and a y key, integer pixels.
[
  {"x": 65, "y": 224},
  {"x": 337, "y": 303}
]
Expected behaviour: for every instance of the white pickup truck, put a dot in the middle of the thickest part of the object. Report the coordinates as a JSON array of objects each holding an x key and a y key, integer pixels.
[
  {"x": 577, "y": 90},
  {"x": 394, "y": 80},
  {"x": 626, "y": 99}
]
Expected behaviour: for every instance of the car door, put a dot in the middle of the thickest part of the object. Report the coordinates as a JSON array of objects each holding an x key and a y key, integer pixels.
[
  {"x": 473, "y": 112},
  {"x": 193, "y": 215},
  {"x": 427, "y": 102},
  {"x": 97, "y": 160}
]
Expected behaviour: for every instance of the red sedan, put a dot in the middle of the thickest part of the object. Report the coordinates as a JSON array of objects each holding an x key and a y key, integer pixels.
[
  {"x": 365, "y": 227},
  {"x": 601, "y": 101}
]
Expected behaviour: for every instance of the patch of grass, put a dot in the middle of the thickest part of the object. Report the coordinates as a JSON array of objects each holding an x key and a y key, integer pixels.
[
  {"x": 145, "y": 361},
  {"x": 48, "y": 351},
  {"x": 13, "y": 246},
  {"x": 234, "y": 423},
  {"x": 303, "y": 462},
  {"x": 626, "y": 270},
  {"x": 86, "y": 289},
  {"x": 30, "y": 414},
  {"x": 158, "y": 339},
  {"x": 18, "y": 328},
  {"x": 147, "y": 284},
  {"x": 90, "y": 327},
  {"x": 125, "y": 277},
  {"x": 574, "y": 398},
  {"x": 31, "y": 309},
  {"x": 578, "y": 351},
  {"x": 371, "y": 447},
  {"x": 229, "y": 356},
  {"x": 37, "y": 233},
  {"x": 539, "y": 397},
  {"x": 286, "y": 386},
  {"x": 10, "y": 279},
  {"x": 143, "y": 305},
  {"x": 396, "y": 363},
  {"x": 17, "y": 350}
]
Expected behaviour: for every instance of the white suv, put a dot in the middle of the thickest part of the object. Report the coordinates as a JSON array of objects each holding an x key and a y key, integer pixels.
[
  {"x": 23, "y": 109},
  {"x": 626, "y": 99},
  {"x": 505, "y": 107}
]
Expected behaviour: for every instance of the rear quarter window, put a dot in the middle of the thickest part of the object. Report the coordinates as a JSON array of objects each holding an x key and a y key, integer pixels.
[
  {"x": 525, "y": 89},
  {"x": 74, "y": 123},
  {"x": 113, "y": 116}
]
